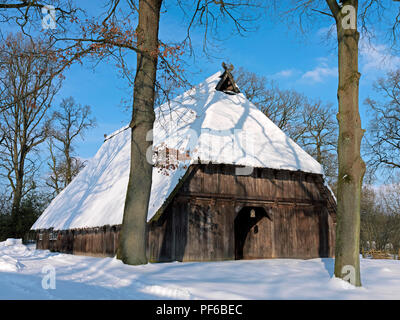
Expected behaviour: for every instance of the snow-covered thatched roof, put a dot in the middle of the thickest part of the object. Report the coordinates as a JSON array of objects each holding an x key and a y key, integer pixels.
[{"x": 210, "y": 125}]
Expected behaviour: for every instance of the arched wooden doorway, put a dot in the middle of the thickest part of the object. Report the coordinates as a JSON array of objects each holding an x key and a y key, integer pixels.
[{"x": 253, "y": 233}]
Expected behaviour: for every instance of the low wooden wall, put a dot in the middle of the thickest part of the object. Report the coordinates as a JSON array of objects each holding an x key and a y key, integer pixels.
[{"x": 100, "y": 241}]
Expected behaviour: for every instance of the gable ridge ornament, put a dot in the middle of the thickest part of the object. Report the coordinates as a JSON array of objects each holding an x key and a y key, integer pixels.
[
  {"x": 227, "y": 84},
  {"x": 228, "y": 68}
]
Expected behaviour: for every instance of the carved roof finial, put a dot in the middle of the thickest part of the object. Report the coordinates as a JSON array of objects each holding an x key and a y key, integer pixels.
[
  {"x": 228, "y": 68},
  {"x": 227, "y": 83}
]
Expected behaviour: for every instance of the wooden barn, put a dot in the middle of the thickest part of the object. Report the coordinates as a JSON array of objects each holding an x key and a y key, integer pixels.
[{"x": 227, "y": 184}]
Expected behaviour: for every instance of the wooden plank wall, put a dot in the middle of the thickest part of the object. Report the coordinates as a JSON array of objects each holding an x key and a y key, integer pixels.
[
  {"x": 199, "y": 223},
  {"x": 101, "y": 241},
  {"x": 301, "y": 226}
]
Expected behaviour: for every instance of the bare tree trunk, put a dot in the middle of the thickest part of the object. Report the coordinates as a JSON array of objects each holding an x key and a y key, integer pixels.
[
  {"x": 19, "y": 170},
  {"x": 351, "y": 166},
  {"x": 133, "y": 237},
  {"x": 68, "y": 163},
  {"x": 16, "y": 206},
  {"x": 319, "y": 153}
]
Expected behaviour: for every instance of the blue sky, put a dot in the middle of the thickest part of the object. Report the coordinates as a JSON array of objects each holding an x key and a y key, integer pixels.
[{"x": 306, "y": 63}]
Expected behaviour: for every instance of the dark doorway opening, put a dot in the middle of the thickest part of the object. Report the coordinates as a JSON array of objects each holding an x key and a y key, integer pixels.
[{"x": 246, "y": 221}]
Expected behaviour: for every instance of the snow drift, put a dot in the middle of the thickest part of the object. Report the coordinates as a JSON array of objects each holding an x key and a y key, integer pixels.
[{"x": 83, "y": 277}]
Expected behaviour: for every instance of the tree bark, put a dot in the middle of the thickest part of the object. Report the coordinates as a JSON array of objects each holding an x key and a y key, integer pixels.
[
  {"x": 19, "y": 170},
  {"x": 68, "y": 173},
  {"x": 16, "y": 207},
  {"x": 133, "y": 237},
  {"x": 351, "y": 166}
]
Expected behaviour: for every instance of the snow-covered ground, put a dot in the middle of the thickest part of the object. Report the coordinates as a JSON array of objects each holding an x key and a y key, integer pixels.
[{"x": 22, "y": 270}]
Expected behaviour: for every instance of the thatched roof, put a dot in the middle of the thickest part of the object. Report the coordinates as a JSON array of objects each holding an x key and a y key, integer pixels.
[{"x": 203, "y": 124}]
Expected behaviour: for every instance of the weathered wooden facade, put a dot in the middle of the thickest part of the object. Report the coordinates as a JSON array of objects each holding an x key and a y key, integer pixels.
[{"x": 218, "y": 215}]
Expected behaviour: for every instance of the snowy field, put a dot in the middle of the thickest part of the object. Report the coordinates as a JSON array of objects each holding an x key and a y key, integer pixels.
[{"x": 80, "y": 277}]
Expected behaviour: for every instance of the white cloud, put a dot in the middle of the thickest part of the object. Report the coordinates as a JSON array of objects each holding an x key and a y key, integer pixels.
[
  {"x": 284, "y": 73},
  {"x": 320, "y": 73},
  {"x": 377, "y": 57}
]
